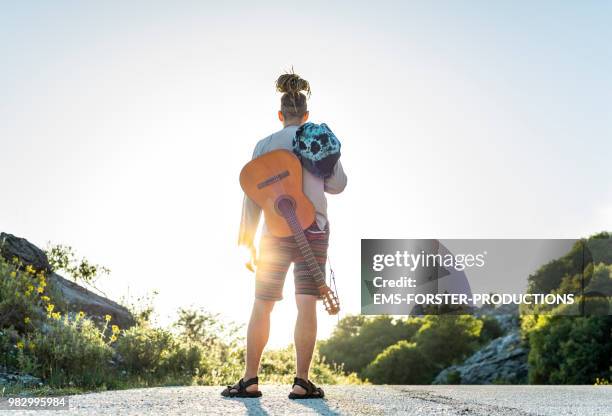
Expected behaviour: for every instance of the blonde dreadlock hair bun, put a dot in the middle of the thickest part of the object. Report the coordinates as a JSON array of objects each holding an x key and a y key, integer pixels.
[
  {"x": 292, "y": 83},
  {"x": 293, "y": 102}
]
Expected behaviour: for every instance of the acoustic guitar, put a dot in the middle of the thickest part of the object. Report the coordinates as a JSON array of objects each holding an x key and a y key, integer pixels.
[{"x": 274, "y": 182}]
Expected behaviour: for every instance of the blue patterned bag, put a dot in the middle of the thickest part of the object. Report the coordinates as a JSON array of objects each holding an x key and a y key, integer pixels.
[{"x": 317, "y": 147}]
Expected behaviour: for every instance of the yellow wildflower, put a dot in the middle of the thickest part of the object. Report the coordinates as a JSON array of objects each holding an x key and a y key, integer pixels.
[
  {"x": 107, "y": 318},
  {"x": 15, "y": 259},
  {"x": 50, "y": 308},
  {"x": 20, "y": 345},
  {"x": 113, "y": 338},
  {"x": 30, "y": 269},
  {"x": 81, "y": 315},
  {"x": 27, "y": 320},
  {"x": 56, "y": 316},
  {"x": 40, "y": 289},
  {"x": 115, "y": 329},
  {"x": 45, "y": 298},
  {"x": 30, "y": 288}
]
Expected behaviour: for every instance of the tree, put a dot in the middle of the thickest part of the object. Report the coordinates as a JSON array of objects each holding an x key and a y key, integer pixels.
[
  {"x": 63, "y": 258},
  {"x": 401, "y": 363},
  {"x": 569, "y": 349},
  {"x": 573, "y": 349},
  {"x": 447, "y": 339},
  {"x": 357, "y": 340}
]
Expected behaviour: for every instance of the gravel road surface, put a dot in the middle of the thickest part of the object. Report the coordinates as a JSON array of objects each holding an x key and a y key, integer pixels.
[{"x": 351, "y": 400}]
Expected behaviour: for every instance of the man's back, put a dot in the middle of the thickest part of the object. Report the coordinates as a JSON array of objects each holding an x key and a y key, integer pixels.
[{"x": 314, "y": 187}]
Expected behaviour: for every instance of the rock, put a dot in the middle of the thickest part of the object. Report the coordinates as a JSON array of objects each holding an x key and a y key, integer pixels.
[
  {"x": 503, "y": 360},
  {"x": 28, "y": 253},
  {"x": 80, "y": 299},
  {"x": 76, "y": 297},
  {"x": 506, "y": 315},
  {"x": 507, "y": 322},
  {"x": 25, "y": 380}
]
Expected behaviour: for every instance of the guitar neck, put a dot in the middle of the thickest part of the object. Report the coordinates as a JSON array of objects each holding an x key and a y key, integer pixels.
[{"x": 304, "y": 247}]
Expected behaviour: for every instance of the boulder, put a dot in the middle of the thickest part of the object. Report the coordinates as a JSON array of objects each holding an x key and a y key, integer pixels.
[
  {"x": 76, "y": 297},
  {"x": 80, "y": 299},
  {"x": 503, "y": 360},
  {"x": 23, "y": 380},
  {"x": 506, "y": 315},
  {"x": 28, "y": 253}
]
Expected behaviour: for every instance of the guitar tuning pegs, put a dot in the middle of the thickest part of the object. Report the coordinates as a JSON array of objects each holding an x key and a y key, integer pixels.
[{"x": 330, "y": 300}]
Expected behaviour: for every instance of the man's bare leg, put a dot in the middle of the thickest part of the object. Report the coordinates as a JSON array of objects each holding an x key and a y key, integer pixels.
[
  {"x": 305, "y": 335},
  {"x": 257, "y": 337}
]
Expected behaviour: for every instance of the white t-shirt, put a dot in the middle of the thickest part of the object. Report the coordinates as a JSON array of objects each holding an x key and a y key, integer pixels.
[{"x": 313, "y": 186}]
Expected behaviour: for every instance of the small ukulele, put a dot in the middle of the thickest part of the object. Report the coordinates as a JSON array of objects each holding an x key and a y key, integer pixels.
[{"x": 274, "y": 182}]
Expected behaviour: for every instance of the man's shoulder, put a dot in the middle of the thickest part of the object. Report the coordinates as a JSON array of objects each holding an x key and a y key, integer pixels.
[
  {"x": 262, "y": 142},
  {"x": 261, "y": 145},
  {"x": 276, "y": 140}
]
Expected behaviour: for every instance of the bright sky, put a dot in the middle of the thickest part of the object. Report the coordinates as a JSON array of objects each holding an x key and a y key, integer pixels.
[{"x": 123, "y": 128}]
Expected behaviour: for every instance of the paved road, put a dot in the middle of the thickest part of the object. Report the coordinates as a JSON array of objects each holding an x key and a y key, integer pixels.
[{"x": 352, "y": 400}]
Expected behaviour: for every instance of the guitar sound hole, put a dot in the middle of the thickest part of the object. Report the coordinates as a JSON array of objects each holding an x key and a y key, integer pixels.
[{"x": 284, "y": 205}]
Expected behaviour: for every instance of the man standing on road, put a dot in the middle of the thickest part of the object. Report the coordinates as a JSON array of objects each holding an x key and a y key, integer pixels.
[{"x": 276, "y": 254}]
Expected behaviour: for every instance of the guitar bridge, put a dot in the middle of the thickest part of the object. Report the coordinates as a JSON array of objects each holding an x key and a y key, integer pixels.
[{"x": 273, "y": 179}]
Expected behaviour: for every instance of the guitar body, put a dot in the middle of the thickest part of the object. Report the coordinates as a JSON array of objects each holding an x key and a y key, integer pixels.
[
  {"x": 274, "y": 182},
  {"x": 274, "y": 175}
]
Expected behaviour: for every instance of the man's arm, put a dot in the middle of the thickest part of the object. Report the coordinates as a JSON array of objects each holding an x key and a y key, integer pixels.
[
  {"x": 337, "y": 181},
  {"x": 251, "y": 213}
]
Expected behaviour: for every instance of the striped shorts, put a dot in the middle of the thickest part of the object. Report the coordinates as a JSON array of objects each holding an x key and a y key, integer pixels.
[{"x": 276, "y": 255}]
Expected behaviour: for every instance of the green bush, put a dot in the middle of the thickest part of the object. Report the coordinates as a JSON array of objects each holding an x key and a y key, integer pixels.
[
  {"x": 71, "y": 351},
  {"x": 278, "y": 366},
  {"x": 26, "y": 304},
  {"x": 22, "y": 296},
  {"x": 401, "y": 363},
  {"x": 204, "y": 328},
  {"x": 453, "y": 377},
  {"x": 63, "y": 259},
  {"x": 490, "y": 329},
  {"x": 221, "y": 347},
  {"x": 564, "y": 274},
  {"x": 599, "y": 248},
  {"x": 357, "y": 340},
  {"x": 569, "y": 350},
  {"x": 144, "y": 352},
  {"x": 448, "y": 339},
  {"x": 36, "y": 338},
  {"x": 600, "y": 280},
  {"x": 184, "y": 364},
  {"x": 153, "y": 356},
  {"x": 9, "y": 353},
  {"x": 572, "y": 344},
  {"x": 549, "y": 276},
  {"x": 387, "y": 350}
]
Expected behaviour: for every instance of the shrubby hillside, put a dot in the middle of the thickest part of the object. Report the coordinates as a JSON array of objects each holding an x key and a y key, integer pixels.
[
  {"x": 567, "y": 345},
  {"x": 387, "y": 350},
  {"x": 57, "y": 334},
  {"x": 572, "y": 344},
  {"x": 46, "y": 341}
]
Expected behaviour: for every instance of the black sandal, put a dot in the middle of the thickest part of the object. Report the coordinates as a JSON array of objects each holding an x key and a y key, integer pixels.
[
  {"x": 241, "y": 389},
  {"x": 312, "y": 391}
]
